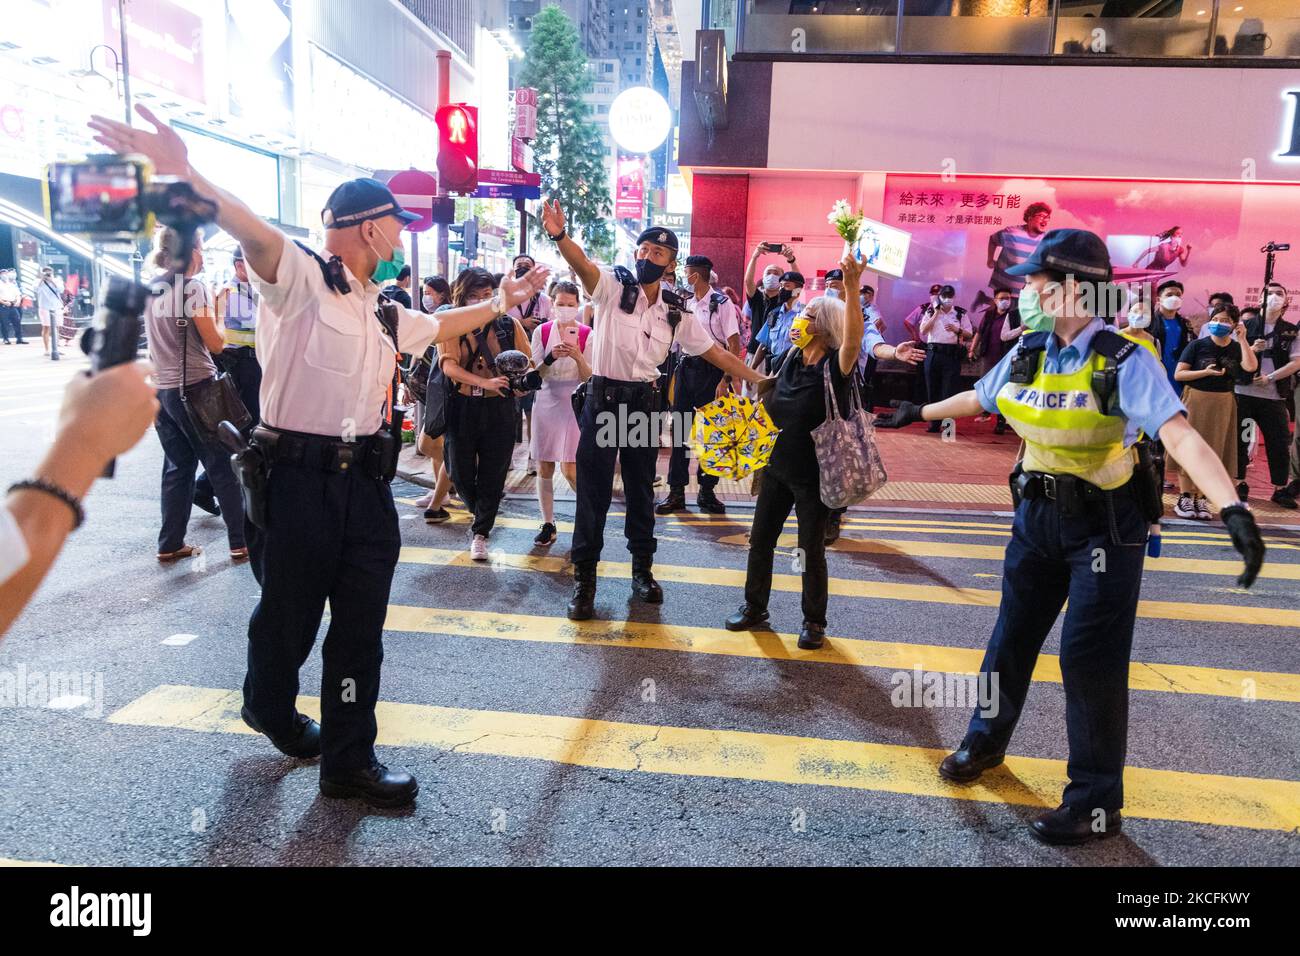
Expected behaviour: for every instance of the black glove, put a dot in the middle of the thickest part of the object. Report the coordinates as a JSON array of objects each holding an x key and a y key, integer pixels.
[
  {"x": 532, "y": 381},
  {"x": 903, "y": 415},
  {"x": 1246, "y": 539}
]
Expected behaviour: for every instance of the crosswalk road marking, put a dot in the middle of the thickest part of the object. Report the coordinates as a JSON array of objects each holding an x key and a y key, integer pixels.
[
  {"x": 992, "y": 552},
  {"x": 5, "y": 861},
  {"x": 847, "y": 587},
  {"x": 1172, "y": 678},
  {"x": 1176, "y": 795}
]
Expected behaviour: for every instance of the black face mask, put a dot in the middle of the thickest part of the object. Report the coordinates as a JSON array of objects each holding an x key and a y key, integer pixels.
[
  {"x": 785, "y": 296},
  {"x": 521, "y": 271},
  {"x": 648, "y": 272}
]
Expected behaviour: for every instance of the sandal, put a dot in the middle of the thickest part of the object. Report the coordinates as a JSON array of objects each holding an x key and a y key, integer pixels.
[
  {"x": 188, "y": 551},
  {"x": 238, "y": 554}
]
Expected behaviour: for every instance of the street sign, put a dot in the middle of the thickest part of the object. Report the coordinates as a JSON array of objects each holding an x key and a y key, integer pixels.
[
  {"x": 490, "y": 191},
  {"x": 678, "y": 222},
  {"x": 417, "y": 191},
  {"x": 521, "y": 155},
  {"x": 525, "y": 113},
  {"x": 508, "y": 177}
]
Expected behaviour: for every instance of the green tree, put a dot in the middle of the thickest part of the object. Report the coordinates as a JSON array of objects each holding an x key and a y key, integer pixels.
[{"x": 569, "y": 152}]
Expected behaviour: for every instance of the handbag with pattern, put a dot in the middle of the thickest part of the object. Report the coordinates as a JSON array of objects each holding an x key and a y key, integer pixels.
[{"x": 847, "y": 456}]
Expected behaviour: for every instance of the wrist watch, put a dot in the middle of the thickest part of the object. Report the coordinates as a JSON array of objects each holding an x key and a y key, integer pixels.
[
  {"x": 498, "y": 303},
  {"x": 563, "y": 233}
]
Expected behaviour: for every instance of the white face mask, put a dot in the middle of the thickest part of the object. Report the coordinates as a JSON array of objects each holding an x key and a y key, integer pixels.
[
  {"x": 946, "y": 300},
  {"x": 565, "y": 313},
  {"x": 1138, "y": 319},
  {"x": 770, "y": 282},
  {"x": 832, "y": 293},
  {"x": 1275, "y": 303},
  {"x": 1004, "y": 305},
  {"x": 1172, "y": 302},
  {"x": 429, "y": 303}
]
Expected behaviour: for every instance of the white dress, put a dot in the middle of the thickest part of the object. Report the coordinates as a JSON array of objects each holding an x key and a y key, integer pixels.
[{"x": 555, "y": 428}]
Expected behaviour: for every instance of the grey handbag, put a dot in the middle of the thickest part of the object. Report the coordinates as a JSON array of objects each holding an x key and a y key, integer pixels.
[{"x": 847, "y": 457}]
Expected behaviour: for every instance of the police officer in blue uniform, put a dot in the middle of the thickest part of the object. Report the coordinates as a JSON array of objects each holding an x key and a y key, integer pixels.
[
  {"x": 635, "y": 324},
  {"x": 319, "y": 499},
  {"x": 1078, "y": 393}
]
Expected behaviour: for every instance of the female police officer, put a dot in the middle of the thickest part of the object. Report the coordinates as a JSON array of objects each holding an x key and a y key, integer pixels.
[{"x": 1077, "y": 393}]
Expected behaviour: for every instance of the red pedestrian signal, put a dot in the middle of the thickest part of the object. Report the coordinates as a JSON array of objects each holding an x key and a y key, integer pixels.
[{"x": 457, "y": 148}]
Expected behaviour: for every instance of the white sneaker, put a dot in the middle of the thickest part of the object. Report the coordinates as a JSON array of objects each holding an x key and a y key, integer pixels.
[
  {"x": 1203, "y": 512},
  {"x": 478, "y": 548},
  {"x": 1185, "y": 507}
]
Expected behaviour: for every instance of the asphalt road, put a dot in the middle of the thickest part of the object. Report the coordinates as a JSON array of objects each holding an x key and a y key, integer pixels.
[{"x": 663, "y": 740}]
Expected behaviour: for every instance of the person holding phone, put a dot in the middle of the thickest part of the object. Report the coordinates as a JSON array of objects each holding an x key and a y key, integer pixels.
[
  {"x": 1209, "y": 369},
  {"x": 560, "y": 350}
]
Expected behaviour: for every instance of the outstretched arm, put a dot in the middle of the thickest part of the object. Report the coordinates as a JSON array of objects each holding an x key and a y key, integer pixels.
[
  {"x": 553, "y": 222},
  {"x": 262, "y": 242}
]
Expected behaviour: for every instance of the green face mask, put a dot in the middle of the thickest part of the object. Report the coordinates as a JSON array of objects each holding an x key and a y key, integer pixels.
[
  {"x": 1032, "y": 315},
  {"x": 387, "y": 269}
]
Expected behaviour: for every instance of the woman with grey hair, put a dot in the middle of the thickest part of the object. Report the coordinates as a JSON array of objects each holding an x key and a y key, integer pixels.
[{"x": 827, "y": 339}]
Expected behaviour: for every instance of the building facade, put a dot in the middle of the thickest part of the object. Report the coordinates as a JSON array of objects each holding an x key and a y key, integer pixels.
[{"x": 1174, "y": 137}]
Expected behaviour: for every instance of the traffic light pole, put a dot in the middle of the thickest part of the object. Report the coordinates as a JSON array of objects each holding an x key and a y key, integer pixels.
[
  {"x": 522, "y": 206},
  {"x": 444, "y": 97}
]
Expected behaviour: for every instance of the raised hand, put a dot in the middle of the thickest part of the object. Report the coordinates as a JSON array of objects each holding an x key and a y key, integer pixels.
[
  {"x": 852, "y": 269},
  {"x": 521, "y": 289},
  {"x": 163, "y": 148},
  {"x": 553, "y": 221}
]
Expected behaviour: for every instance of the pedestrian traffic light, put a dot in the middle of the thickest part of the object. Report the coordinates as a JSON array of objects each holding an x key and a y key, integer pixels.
[
  {"x": 457, "y": 148},
  {"x": 467, "y": 245}
]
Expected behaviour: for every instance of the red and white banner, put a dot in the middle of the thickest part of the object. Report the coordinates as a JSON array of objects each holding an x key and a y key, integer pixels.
[{"x": 629, "y": 197}]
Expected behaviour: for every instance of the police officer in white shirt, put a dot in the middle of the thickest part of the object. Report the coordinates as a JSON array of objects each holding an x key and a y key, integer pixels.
[
  {"x": 331, "y": 531},
  {"x": 697, "y": 382},
  {"x": 634, "y": 328}
]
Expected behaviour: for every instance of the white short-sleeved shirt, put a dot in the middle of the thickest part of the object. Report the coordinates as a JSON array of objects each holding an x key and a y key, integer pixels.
[
  {"x": 722, "y": 324},
  {"x": 14, "y": 553},
  {"x": 326, "y": 361},
  {"x": 630, "y": 348}
]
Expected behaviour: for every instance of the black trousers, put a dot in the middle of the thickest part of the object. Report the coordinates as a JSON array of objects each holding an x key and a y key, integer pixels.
[
  {"x": 11, "y": 322},
  {"x": 332, "y": 536},
  {"x": 1270, "y": 417},
  {"x": 183, "y": 450},
  {"x": 480, "y": 444},
  {"x": 626, "y": 432},
  {"x": 775, "y": 499},
  {"x": 942, "y": 372},
  {"x": 696, "y": 384},
  {"x": 1095, "y": 561}
]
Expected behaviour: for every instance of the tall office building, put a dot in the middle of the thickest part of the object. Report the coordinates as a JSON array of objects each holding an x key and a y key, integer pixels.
[
  {"x": 591, "y": 17},
  {"x": 630, "y": 37}
]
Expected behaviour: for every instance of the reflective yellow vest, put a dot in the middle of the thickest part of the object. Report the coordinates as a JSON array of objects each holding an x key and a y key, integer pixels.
[{"x": 1064, "y": 430}]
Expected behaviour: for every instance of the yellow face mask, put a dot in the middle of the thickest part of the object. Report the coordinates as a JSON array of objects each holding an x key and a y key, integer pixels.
[{"x": 801, "y": 333}]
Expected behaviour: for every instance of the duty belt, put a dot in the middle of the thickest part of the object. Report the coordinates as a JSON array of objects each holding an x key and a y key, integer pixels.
[
  {"x": 317, "y": 451},
  {"x": 612, "y": 391},
  {"x": 941, "y": 346},
  {"x": 1070, "y": 493}
]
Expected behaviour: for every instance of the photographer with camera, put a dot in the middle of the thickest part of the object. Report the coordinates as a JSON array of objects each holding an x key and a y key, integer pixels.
[
  {"x": 103, "y": 416},
  {"x": 316, "y": 474},
  {"x": 635, "y": 327}
]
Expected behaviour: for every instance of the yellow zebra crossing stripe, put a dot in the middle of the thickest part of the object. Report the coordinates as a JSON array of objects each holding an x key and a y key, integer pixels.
[
  {"x": 993, "y": 552},
  {"x": 847, "y": 587},
  {"x": 1175, "y": 795},
  {"x": 896, "y": 656}
]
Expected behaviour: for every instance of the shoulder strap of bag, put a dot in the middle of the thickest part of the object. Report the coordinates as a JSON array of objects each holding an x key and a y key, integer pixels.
[
  {"x": 545, "y": 336},
  {"x": 832, "y": 406}
]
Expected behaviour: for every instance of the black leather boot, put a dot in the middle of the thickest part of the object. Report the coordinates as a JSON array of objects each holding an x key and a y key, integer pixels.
[
  {"x": 747, "y": 618},
  {"x": 644, "y": 584},
  {"x": 674, "y": 501},
  {"x": 970, "y": 760},
  {"x": 812, "y": 636},
  {"x": 1065, "y": 826},
  {"x": 375, "y": 784},
  {"x": 583, "y": 604}
]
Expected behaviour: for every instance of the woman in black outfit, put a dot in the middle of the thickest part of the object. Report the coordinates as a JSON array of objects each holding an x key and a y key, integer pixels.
[
  {"x": 827, "y": 339},
  {"x": 480, "y": 435}
]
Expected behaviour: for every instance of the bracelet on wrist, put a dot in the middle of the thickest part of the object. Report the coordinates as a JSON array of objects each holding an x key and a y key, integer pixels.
[
  {"x": 563, "y": 233},
  {"x": 55, "y": 491}
]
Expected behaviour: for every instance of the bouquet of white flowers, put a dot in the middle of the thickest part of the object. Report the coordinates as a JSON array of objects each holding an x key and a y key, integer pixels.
[{"x": 846, "y": 222}]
